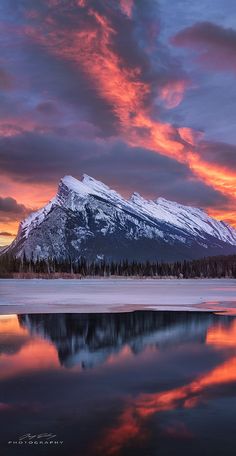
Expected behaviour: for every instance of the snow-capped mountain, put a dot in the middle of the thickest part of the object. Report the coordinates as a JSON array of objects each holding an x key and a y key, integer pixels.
[{"x": 86, "y": 218}]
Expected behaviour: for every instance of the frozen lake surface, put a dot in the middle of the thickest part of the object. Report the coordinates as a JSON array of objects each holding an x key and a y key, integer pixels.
[{"x": 118, "y": 295}]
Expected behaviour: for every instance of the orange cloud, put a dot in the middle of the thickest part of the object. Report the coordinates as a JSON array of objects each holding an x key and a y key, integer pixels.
[
  {"x": 15, "y": 126},
  {"x": 89, "y": 48},
  {"x": 9, "y": 324},
  {"x": 190, "y": 136},
  {"x": 119, "y": 85},
  {"x": 172, "y": 93},
  {"x": 228, "y": 215},
  {"x": 32, "y": 354},
  {"x": 127, "y": 429},
  {"x": 219, "y": 177},
  {"x": 131, "y": 423},
  {"x": 32, "y": 197},
  {"x": 222, "y": 337},
  {"x": 122, "y": 87}
]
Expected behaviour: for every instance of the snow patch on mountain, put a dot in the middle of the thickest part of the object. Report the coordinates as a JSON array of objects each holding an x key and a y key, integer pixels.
[
  {"x": 74, "y": 194},
  {"x": 36, "y": 218},
  {"x": 87, "y": 215}
]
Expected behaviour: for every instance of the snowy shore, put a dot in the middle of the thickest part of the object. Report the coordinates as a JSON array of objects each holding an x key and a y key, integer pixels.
[{"x": 95, "y": 295}]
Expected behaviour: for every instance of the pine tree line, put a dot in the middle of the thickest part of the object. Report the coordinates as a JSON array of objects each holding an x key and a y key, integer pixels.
[{"x": 209, "y": 267}]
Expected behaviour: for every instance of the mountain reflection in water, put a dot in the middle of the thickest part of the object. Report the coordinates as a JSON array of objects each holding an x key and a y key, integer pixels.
[
  {"x": 142, "y": 383},
  {"x": 89, "y": 339}
]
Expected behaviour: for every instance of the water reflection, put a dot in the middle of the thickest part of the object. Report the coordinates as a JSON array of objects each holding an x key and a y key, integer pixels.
[
  {"x": 119, "y": 384},
  {"x": 90, "y": 339}
]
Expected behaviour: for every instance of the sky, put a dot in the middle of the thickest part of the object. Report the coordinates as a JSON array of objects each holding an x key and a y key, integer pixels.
[{"x": 139, "y": 94}]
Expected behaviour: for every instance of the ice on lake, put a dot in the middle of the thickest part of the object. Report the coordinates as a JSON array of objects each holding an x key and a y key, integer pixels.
[{"x": 116, "y": 295}]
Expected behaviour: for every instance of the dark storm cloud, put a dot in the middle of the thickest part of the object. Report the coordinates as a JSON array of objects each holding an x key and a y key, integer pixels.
[
  {"x": 51, "y": 158},
  {"x": 6, "y": 81},
  {"x": 153, "y": 175},
  {"x": 219, "y": 153},
  {"x": 10, "y": 209},
  {"x": 7, "y": 234},
  {"x": 64, "y": 83},
  {"x": 9, "y": 204},
  {"x": 125, "y": 168},
  {"x": 217, "y": 45},
  {"x": 47, "y": 108}
]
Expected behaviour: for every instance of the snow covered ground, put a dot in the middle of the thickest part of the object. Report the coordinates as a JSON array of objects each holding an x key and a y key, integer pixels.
[{"x": 119, "y": 295}]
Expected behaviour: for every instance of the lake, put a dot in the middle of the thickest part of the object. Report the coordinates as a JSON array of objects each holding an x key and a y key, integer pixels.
[
  {"x": 116, "y": 295},
  {"x": 144, "y": 383}
]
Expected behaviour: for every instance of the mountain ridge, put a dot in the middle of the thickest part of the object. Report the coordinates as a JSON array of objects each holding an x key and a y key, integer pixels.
[{"x": 87, "y": 218}]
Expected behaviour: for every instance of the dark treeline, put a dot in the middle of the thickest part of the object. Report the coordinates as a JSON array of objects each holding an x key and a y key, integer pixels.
[{"x": 210, "y": 267}]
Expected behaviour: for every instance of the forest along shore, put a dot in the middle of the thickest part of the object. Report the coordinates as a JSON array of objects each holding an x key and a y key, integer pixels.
[
  {"x": 209, "y": 267},
  {"x": 67, "y": 276}
]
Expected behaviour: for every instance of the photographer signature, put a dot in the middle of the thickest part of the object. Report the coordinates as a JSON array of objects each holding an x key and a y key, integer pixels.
[{"x": 44, "y": 436}]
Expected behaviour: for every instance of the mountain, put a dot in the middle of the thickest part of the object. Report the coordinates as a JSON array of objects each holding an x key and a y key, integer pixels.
[
  {"x": 88, "y": 219},
  {"x": 90, "y": 339}
]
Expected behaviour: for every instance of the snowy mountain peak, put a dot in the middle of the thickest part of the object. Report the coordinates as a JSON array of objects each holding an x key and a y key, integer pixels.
[
  {"x": 87, "y": 186},
  {"x": 99, "y": 188},
  {"x": 88, "y": 218},
  {"x": 90, "y": 181},
  {"x": 94, "y": 184},
  {"x": 164, "y": 200},
  {"x": 73, "y": 184},
  {"x": 137, "y": 198},
  {"x": 168, "y": 203}
]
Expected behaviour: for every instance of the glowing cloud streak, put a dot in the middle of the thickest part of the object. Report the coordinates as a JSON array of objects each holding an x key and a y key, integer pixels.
[
  {"x": 90, "y": 49},
  {"x": 132, "y": 420}
]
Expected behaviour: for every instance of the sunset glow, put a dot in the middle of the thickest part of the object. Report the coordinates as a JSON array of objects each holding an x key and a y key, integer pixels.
[
  {"x": 132, "y": 421},
  {"x": 104, "y": 95},
  {"x": 31, "y": 355}
]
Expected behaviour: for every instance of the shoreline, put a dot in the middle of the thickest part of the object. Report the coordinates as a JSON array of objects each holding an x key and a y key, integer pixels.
[{"x": 68, "y": 276}]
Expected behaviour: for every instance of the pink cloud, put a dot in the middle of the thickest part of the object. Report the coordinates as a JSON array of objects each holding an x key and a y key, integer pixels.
[{"x": 215, "y": 44}]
